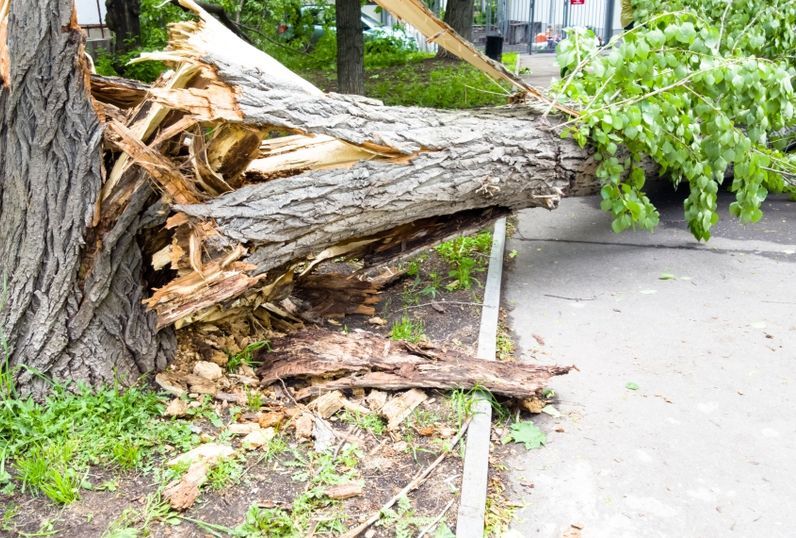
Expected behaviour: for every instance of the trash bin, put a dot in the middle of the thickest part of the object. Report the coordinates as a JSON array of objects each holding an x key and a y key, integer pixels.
[{"x": 494, "y": 46}]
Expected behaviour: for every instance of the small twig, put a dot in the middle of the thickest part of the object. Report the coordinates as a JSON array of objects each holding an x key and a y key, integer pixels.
[
  {"x": 442, "y": 303},
  {"x": 416, "y": 482},
  {"x": 437, "y": 519},
  {"x": 569, "y": 298}
]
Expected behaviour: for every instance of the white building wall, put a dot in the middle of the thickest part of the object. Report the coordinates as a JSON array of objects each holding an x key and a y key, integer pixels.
[{"x": 90, "y": 12}]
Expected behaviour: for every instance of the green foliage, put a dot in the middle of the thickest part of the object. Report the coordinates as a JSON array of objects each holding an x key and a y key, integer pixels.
[
  {"x": 527, "y": 433},
  {"x": 51, "y": 445},
  {"x": 267, "y": 522},
  {"x": 369, "y": 422},
  {"x": 408, "y": 330},
  {"x": 466, "y": 255},
  {"x": 440, "y": 84},
  {"x": 246, "y": 356},
  {"x": 684, "y": 89},
  {"x": 225, "y": 472},
  {"x": 402, "y": 519}
]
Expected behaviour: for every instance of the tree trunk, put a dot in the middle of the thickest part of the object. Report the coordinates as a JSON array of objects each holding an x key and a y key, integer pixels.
[
  {"x": 335, "y": 361},
  {"x": 227, "y": 182},
  {"x": 123, "y": 20},
  {"x": 73, "y": 299},
  {"x": 350, "y": 47},
  {"x": 459, "y": 16}
]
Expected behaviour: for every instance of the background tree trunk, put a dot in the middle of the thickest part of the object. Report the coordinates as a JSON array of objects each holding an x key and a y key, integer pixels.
[
  {"x": 123, "y": 20},
  {"x": 459, "y": 16},
  {"x": 350, "y": 47},
  {"x": 72, "y": 294}
]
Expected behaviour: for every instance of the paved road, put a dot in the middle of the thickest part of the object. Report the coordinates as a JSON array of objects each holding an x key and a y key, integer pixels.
[{"x": 706, "y": 446}]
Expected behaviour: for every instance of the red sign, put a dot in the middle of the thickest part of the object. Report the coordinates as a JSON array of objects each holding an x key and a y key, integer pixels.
[{"x": 577, "y": 2}]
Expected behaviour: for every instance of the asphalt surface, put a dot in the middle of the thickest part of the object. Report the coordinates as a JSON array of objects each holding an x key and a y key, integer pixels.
[{"x": 706, "y": 334}]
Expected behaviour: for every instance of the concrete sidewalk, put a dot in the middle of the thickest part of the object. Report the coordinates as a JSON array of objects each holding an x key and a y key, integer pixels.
[{"x": 706, "y": 445}]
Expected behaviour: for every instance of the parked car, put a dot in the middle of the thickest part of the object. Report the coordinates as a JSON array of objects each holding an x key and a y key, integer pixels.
[{"x": 321, "y": 19}]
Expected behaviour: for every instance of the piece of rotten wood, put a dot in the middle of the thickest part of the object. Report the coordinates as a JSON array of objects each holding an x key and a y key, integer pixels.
[
  {"x": 344, "y": 491},
  {"x": 362, "y": 359},
  {"x": 398, "y": 408}
]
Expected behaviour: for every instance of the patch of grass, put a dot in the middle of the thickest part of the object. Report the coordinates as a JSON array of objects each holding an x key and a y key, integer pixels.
[
  {"x": 254, "y": 399},
  {"x": 369, "y": 422},
  {"x": 505, "y": 344},
  {"x": 499, "y": 511},
  {"x": 403, "y": 520},
  {"x": 49, "y": 446},
  {"x": 466, "y": 255},
  {"x": 435, "y": 84},
  {"x": 246, "y": 356},
  {"x": 408, "y": 330},
  {"x": 225, "y": 472}
]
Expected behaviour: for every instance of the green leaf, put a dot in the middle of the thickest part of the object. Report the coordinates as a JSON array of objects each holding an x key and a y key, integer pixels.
[
  {"x": 667, "y": 276},
  {"x": 631, "y": 386},
  {"x": 443, "y": 531},
  {"x": 527, "y": 433}
]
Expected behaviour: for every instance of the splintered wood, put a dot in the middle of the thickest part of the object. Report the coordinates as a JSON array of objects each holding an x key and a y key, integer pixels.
[
  {"x": 335, "y": 361},
  {"x": 260, "y": 176}
]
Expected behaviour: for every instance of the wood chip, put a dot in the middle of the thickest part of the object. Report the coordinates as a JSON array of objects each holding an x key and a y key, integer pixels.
[
  {"x": 344, "y": 491},
  {"x": 258, "y": 438},
  {"x": 328, "y": 404},
  {"x": 171, "y": 383},
  {"x": 376, "y": 400},
  {"x": 176, "y": 408},
  {"x": 208, "y": 370},
  {"x": 304, "y": 424},
  {"x": 244, "y": 428},
  {"x": 398, "y": 408},
  {"x": 267, "y": 420}
]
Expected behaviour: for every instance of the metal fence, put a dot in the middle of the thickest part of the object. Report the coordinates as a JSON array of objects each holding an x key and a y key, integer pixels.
[{"x": 534, "y": 25}]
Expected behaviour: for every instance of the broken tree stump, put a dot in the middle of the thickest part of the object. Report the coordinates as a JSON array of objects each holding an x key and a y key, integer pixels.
[{"x": 363, "y": 359}]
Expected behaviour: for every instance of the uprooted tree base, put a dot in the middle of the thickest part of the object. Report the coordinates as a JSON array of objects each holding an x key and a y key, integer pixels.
[{"x": 225, "y": 184}]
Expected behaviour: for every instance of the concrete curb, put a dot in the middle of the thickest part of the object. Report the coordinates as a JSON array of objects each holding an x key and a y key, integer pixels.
[{"x": 470, "y": 521}]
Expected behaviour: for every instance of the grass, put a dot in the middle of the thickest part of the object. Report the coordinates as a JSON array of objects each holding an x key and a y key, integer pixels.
[
  {"x": 369, "y": 422},
  {"x": 408, "y": 330},
  {"x": 466, "y": 255},
  {"x": 246, "y": 356},
  {"x": 51, "y": 446}
]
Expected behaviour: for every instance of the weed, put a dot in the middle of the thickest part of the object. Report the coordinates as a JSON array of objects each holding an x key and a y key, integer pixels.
[
  {"x": 408, "y": 330},
  {"x": 403, "y": 519},
  {"x": 225, "y": 472},
  {"x": 254, "y": 399},
  {"x": 368, "y": 422},
  {"x": 423, "y": 417},
  {"x": 52, "y": 444},
  {"x": 433, "y": 285},
  {"x": 499, "y": 511},
  {"x": 466, "y": 255},
  {"x": 7, "y": 388},
  {"x": 271, "y": 522},
  {"x": 504, "y": 344},
  {"x": 246, "y": 355}
]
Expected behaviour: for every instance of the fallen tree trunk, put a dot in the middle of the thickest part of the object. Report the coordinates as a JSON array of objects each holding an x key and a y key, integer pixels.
[
  {"x": 335, "y": 361},
  {"x": 223, "y": 185}
]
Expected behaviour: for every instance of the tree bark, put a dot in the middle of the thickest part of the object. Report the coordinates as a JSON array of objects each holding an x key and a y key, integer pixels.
[
  {"x": 335, "y": 361},
  {"x": 123, "y": 20},
  {"x": 73, "y": 299},
  {"x": 459, "y": 16},
  {"x": 247, "y": 216},
  {"x": 350, "y": 47}
]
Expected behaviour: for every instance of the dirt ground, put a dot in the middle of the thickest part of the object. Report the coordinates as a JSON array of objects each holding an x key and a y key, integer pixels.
[{"x": 132, "y": 504}]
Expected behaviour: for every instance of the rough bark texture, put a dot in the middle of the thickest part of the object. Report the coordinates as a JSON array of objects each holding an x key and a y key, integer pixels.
[
  {"x": 389, "y": 167},
  {"x": 338, "y": 361},
  {"x": 123, "y": 20},
  {"x": 67, "y": 314},
  {"x": 459, "y": 16},
  {"x": 350, "y": 47}
]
